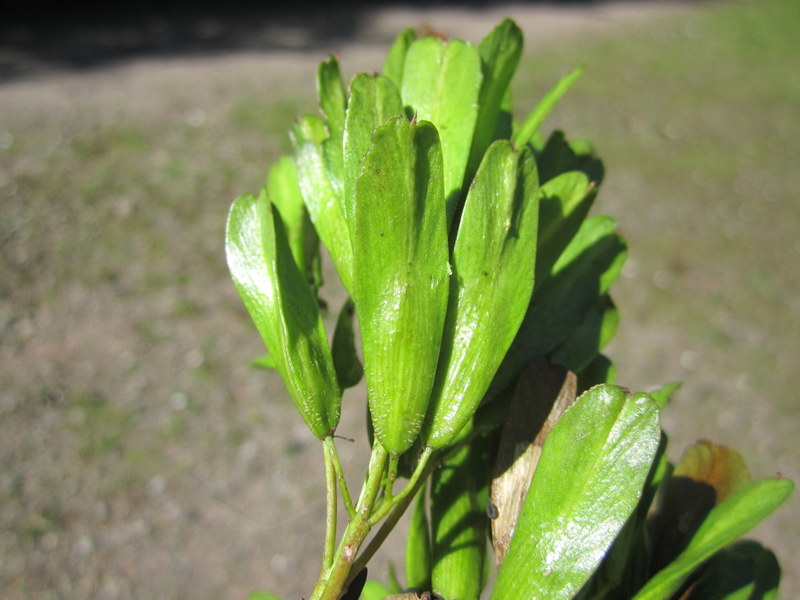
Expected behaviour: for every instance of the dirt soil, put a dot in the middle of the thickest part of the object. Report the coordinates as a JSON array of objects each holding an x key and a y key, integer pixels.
[{"x": 139, "y": 457}]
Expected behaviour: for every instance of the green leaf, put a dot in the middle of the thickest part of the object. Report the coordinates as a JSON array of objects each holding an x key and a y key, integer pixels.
[
  {"x": 373, "y": 99},
  {"x": 259, "y": 595},
  {"x": 582, "y": 274},
  {"x": 724, "y": 524},
  {"x": 493, "y": 264},
  {"x": 394, "y": 584},
  {"x": 283, "y": 308},
  {"x": 332, "y": 103},
  {"x": 348, "y": 368},
  {"x": 308, "y": 128},
  {"x": 625, "y": 567},
  {"x": 543, "y": 392},
  {"x": 418, "y": 547},
  {"x": 545, "y": 106},
  {"x": 598, "y": 326},
  {"x": 588, "y": 243},
  {"x": 401, "y": 275},
  {"x": 458, "y": 524},
  {"x": 332, "y": 96},
  {"x": 500, "y": 52},
  {"x": 264, "y": 362},
  {"x": 284, "y": 191},
  {"x": 441, "y": 84},
  {"x": 564, "y": 203},
  {"x": 323, "y": 200},
  {"x": 706, "y": 475},
  {"x": 664, "y": 395},
  {"x": 374, "y": 590},
  {"x": 559, "y": 156},
  {"x": 394, "y": 64},
  {"x": 589, "y": 479},
  {"x": 745, "y": 571},
  {"x": 719, "y": 466},
  {"x": 662, "y": 467}
]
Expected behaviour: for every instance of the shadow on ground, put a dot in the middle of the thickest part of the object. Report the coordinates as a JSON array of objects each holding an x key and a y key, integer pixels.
[{"x": 45, "y": 34}]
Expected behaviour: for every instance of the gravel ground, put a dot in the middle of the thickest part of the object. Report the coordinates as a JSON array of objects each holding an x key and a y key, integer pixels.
[{"x": 189, "y": 487}]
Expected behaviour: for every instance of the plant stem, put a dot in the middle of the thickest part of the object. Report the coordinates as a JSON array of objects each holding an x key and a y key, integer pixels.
[
  {"x": 331, "y": 586},
  {"x": 337, "y": 465},
  {"x": 329, "y": 450},
  {"x": 391, "y": 475},
  {"x": 408, "y": 491},
  {"x": 397, "y": 509}
]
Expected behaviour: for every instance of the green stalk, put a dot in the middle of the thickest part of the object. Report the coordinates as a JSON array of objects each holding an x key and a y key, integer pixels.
[
  {"x": 331, "y": 586},
  {"x": 329, "y": 449},
  {"x": 391, "y": 476},
  {"x": 337, "y": 465},
  {"x": 408, "y": 491},
  {"x": 397, "y": 509}
]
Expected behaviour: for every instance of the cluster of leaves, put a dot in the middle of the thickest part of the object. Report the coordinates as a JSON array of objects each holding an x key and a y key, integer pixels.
[
  {"x": 481, "y": 290},
  {"x": 606, "y": 516}
]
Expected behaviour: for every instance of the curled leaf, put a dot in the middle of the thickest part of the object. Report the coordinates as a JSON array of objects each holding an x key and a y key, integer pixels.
[
  {"x": 284, "y": 192},
  {"x": 322, "y": 194},
  {"x": 283, "y": 308}
]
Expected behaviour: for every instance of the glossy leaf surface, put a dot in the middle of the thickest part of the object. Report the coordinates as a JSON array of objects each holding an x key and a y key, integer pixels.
[
  {"x": 499, "y": 52},
  {"x": 493, "y": 265},
  {"x": 401, "y": 275},
  {"x": 283, "y": 308},
  {"x": 373, "y": 99},
  {"x": 284, "y": 191},
  {"x": 322, "y": 198},
  {"x": 589, "y": 479},
  {"x": 441, "y": 84},
  {"x": 626, "y": 565},
  {"x": 542, "y": 394}
]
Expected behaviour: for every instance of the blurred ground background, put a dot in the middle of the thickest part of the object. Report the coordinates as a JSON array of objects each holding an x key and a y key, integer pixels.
[{"x": 143, "y": 458}]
